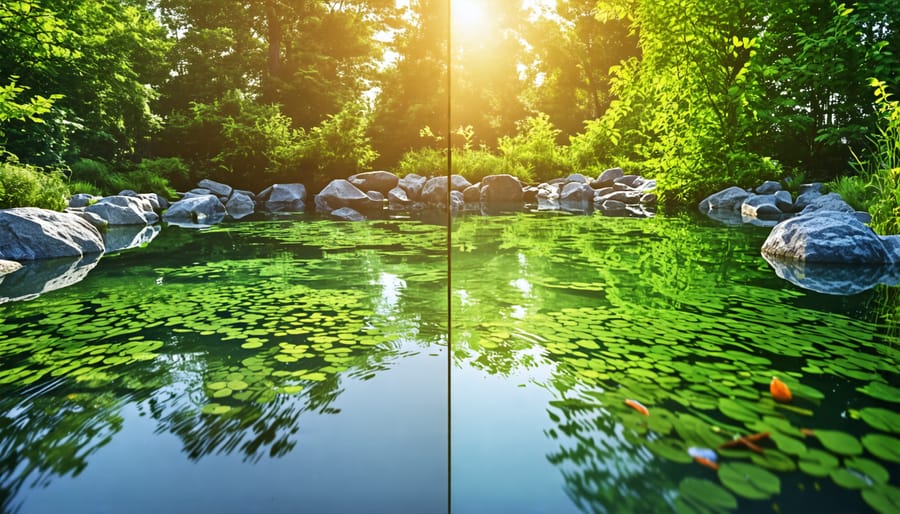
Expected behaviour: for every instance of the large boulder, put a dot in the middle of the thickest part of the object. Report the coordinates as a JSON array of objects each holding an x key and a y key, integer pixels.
[
  {"x": 501, "y": 191},
  {"x": 434, "y": 191},
  {"x": 768, "y": 187},
  {"x": 196, "y": 210},
  {"x": 761, "y": 206},
  {"x": 576, "y": 192},
  {"x": 398, "y": 199},
  {"x": 829, "y": 202},
  {"x": 727, "y": 199},
  {"x": 829, "y": 236},
  {"x": 283, "y": 198},
  {"x": 124, "y": 210},
  {"x": 29, "y": 233},
  {"x": 240, "y": 206},
  {"x": 472, "y": 194},
  {"x": 459, "y": 183},
  {"x": 381, "y": 181},
  {"x": 341, "y": 193},
  {"x": 82, "y": 200},
  {"x": 413, "y": 185},
  {"x": 216, "y": 188},
  {"x": 607, "y": 178}
]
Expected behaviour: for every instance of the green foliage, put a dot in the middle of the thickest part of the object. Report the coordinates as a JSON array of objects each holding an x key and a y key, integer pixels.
[
  {"x": 426, "y": 162},
  {"x": 881, "y": 163},
  {"x": 173, "y": 170},
  {"x": 12, "y": 109},
  {"x": 535, "y": 150},
  {"x": 475, "y": 164},
  {"x": 78, "y": 186},
  {"x": 148, "y": 176},
  {"x": 22, "y": 185},
  {"x": 853, "y": 189}
]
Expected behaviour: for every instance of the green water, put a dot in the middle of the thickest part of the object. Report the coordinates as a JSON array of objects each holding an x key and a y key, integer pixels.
[{"x": 301, "y": 365}]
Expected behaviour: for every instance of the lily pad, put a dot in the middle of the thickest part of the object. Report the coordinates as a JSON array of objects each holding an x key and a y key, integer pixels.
[
  {"x": 881, "y": 419},
  {"x": 737, "y": 410},
  {"x": 817, "y": 463},
  {"x": 883, "y": 498},
  {"x": 215, "y": 408},
  {"x": 749, "y": 481},
  {"x": 839, "y": 442},
  {"x": 702, "y": 495},
  {"x": 670, "y": 450},
  {"x": 774, "y": 460},
  {"x": 882, "y": 391},
  {"x": 874, "y": 471},
  {"x": 883, "y": 446}
]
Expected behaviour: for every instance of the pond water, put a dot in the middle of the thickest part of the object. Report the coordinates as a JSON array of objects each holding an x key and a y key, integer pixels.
[{"x": 301, "y": 365}]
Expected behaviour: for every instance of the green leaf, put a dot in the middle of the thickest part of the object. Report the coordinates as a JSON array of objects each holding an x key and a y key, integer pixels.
[
  {"x": 883, "y": 446},
  {"x": 883, "y": 498},
  {"x": 671, "y": 450},
  {"x": 705, "y": 496},
  {"x": 749, "y": 481},
  {"x": 838, "y": 442},
  {"x": 871, "y": 469},
  {"x": 817, "y": 463},
  {"x": 881, "y": 391},
  {"x": 881, "y": 419}
]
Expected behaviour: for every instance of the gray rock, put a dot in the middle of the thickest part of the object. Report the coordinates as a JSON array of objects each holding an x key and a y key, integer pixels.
[
  {"x": 768, "y": 187},
  {"x": 827, "y": 236},
  {"x": 815, "y": 187},
  {"x": 783, "y": 201},
  {"x": 834, "y": 279},
  {"x": 459, "y": 183},
  {"x": 576, "y": 192},
  {"x": 629, "y": 197},
  {"x": 347, "y": 214},
  {"x": 7, "y": 267},
  {"x": 200, "y": 191},
  {"x": 608, "y": 177},
  {"x": 457, "y": 201},
  {"x": 546, "y": 191},
  {"x": 472, "y": 194},
  {"x": 829, "y": 202},
  {"x": 94, "y": 219},
  {"x": 127, "y": 192},
  {"x": 82, "y": 200},
  {"x": 216, "y": 188},
  {"x": 240, "y": 205},
  {"x": 398, "y": 199},
  {"x": 124, "y": 237},
  {"x": 124, "y": 210},
  {"x": 30, "y": 233},
  {"x": 284, "y": 198},
  {"x": 249, "y": 194},
  {"x": 805, "y": 198},
  {"x": 39, "y": 277},
  {"x": 603, "y": 191},
  {"x": 577, "y": 178},
  {"x": 341, "y": 193},
  {"x": 646, "y": 185},
  {"x": 413, "y": 185},
  {"x": 628, "y": 180},
  {"x": 548, "y": 204},
  {"x": 727, "y": 199},
  {"x": 501, "y": 192},
  {"x": 761, "y": 206},
  {"x": 196, "y": 211},
  {"x": 375, "y": 196},
  {"x": 649, "y": 198},
  {"x": 612, "y": 205},
  {"x": 381, "y": 181},
  {"x": 434, "y": 191},
  {"x": 863, "y": 216},
  {"x": 529, "y": 194}
]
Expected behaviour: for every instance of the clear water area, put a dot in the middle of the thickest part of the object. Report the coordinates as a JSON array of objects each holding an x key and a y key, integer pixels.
[
  {"x": 558, "y": 320},
  {"x": 283, "y": 366},
  {"x": 301, "y": 366}
]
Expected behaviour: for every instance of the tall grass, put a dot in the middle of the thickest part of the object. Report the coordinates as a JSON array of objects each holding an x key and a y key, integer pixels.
[{"x": 31, "y": 186}]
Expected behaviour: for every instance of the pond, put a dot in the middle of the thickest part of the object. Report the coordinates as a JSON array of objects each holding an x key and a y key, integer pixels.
[{"x": 299, "y": 364}]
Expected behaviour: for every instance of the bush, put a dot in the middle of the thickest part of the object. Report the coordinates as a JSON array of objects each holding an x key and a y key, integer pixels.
[
  {"x": 149, "y": 176},
  {"x": 31, "y": 186},
  {"x": 78, "y": 186},
  {"x": 427, "y": 162},
  {"x": 173, "y": 170},
  {"x": 534, "y": 149},
  {"x": 853, "y": 189},
  {"x": 474, "y": 165}
]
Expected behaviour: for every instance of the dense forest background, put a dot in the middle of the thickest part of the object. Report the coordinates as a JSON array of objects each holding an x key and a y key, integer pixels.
[{"x": 102, "y": 95}]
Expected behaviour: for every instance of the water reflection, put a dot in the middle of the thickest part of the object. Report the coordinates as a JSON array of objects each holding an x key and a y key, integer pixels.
[
  {"x": 39, "y": 277},
  {"x": 834, "y": 279}
]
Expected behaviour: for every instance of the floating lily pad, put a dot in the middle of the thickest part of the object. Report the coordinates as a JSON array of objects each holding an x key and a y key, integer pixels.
[
  {"x": 882, "y": 391},
  {"x": 881, "y": 419},
  {"x": 215, "y": 408},
  {"x": 883, "y": 446},
  {"x": 668, "y": 449},
  {"x": 817, "y": 463},
  {"x": 883, "y": 498},
  {"x": 873, "y": 471},
  {"x": 838, "y": 442},
  {"x": 702, "y": 495},
  {"x": 774, "y": 460},
  {"x": 749, "y": 481},
  {"x": 738, "y": 410}
]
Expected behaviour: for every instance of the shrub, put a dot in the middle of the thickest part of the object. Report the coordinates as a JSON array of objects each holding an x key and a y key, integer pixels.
[
  {"x": 78, "y": 186},
  {"x": 31, "y": 186},
  {"x": 427, "y": 162},
  {"x": 474, "y": 165},
  {"x": 534, "y": 149},
  {"x": 173, "y": 170},
  {"x": 853, "y": 189}
]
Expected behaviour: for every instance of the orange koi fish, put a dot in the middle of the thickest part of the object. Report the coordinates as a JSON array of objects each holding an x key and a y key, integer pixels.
[
  {"x": 780, "y": 390},
  {"x": 636, "y": 405}
]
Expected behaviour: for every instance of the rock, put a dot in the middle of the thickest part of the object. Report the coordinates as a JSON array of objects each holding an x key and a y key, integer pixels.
[
  {"x": 434, "y": 191},
  {"x": 198, "y": 210},
  {"x": 284, "y": 198},
  {"x": 413, "y": 185},
  {"x": 815, "y": 187},
  {"x": 608, "y": 177},
  {"x": 7, "y": 267},
  {"x": 761, "y": 206},
  {"x": 472, "y": 194},
  {"x": 347, "y": 214},
  {"x": 576, "y": 192},
  {"x": 646, "y": 185},
  {"x": 381, "y": 181},
  {"x": 649, "y": 198},
  {"x": 459, "y": 183},
  {"x": 127, "y": 192},
  {"x": 612, "y": 205},
  {"x": 546, "y": 191},
  {"x": 501, "y": 192},
  {"x": 768, "y": 187},
  {"x": 577, "y": 178},
  {"x": 627, "y": 180},
  {"x": 39, "y": 277},
  {"x": 398, "y": 199},
  {"x": 835, "y": 279},
  {"x": 457, "y": 202},
  {"x": 783, "y": 201},
  {"x": 341, "y": 193},
  {"x": 529, "y": 194},
  {"x": 375, "y": 196},
  {"x": 124, "y": 210},
  {"x": 82, "y": 200},
  {"x": 828, "y": 236},
  {"x": 94, "y": 219},
  {"x": 629, "y": 197},
  {"x": 727, "y": 199},
  {"x": 216, "y": 188},
  {"x": 30, "y": 233},
  {"x": 123, "y": 237},
  {"x": 249, "y": 194},
  {"x": 829, "y": 202},
  {"x": 863, "y": 217},
  {"x": 240, "y": 206}
]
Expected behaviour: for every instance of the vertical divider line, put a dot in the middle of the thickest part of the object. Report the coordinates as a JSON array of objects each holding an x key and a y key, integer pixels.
[{"x": 449, "y": 260}]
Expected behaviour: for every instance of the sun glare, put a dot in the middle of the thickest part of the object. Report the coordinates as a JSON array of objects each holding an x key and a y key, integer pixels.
[{"x": 469, "y": 17}]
